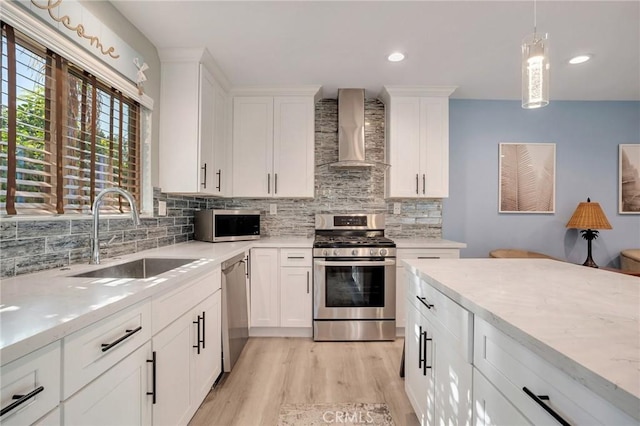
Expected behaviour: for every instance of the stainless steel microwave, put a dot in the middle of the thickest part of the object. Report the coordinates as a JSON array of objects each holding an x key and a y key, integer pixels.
[{"x": 226, "y": 225}]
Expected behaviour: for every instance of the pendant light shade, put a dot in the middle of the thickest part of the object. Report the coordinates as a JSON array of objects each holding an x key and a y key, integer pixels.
[{"x": 535, "y": 71}]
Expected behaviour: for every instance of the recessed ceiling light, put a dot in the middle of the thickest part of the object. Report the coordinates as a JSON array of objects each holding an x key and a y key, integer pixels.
[
  {"x": 395, "y": 57},
  {"x": 579, "y": 59}
]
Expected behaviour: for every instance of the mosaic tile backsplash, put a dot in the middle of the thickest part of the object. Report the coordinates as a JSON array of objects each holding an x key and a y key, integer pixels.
[{"x": 35, "y": 245}]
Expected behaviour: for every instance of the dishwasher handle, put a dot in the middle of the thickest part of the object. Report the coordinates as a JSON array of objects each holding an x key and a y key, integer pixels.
[{"x": 229, "y": 264}]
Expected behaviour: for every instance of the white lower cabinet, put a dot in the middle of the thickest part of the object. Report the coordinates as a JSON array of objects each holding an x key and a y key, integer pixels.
[
  {"x": 490, "y": 407},
  {"x": 118, "y": 397},
  {"x": 188, "y": 358},
  {"x": 401, "y": 275},
  {"x": 30, "y": 386},
  {"x": 438, "y": 371},
  {"x": 281, "y": 291}
]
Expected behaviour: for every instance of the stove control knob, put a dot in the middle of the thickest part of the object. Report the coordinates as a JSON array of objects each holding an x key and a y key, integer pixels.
[
  {"x": 325, "y": 252},
  {"x": 372, "y": 252},
  {"x": 354, "y": 252},
  {"x": 383, "y": 252},
  {"x": 336, "y": 252}
]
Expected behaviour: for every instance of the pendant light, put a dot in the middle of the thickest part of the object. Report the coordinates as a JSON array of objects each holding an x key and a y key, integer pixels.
[{"x": 535, "y": 68}]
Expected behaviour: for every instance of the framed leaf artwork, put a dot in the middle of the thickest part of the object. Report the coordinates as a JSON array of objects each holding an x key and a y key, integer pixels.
[
  {"x": 527, "y": 178},
  {"x": 629, "y": 179}
]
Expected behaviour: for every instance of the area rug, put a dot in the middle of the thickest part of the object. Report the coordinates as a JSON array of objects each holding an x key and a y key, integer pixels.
[{"x": 335, "y": 413}]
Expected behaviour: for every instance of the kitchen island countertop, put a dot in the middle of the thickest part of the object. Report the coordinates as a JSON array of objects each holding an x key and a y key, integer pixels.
[{"x": 584, "y": 321}]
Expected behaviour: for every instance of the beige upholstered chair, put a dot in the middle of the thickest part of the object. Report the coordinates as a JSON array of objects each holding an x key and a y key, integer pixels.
[
  {"x": 630, "y": 260},
  {"x": 516, "y": 253}
]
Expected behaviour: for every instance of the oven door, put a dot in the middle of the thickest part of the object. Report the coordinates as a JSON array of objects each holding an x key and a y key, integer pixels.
[{"x": 351, "y": 288}]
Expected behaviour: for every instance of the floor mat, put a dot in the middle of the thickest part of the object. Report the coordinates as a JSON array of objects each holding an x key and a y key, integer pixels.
[{"x": 374, "y": 414}]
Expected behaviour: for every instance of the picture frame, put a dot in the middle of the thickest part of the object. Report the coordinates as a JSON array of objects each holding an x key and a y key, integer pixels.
[
  {"x": 527, "y": 178},
  {"x": 629, "y": 178}
]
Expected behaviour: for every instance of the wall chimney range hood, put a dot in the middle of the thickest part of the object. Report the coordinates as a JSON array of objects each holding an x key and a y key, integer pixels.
[{"x": 351, "y": 131}]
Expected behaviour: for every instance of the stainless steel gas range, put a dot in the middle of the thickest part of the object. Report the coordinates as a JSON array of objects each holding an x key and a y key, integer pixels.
[{"x": 354, "y": 278}]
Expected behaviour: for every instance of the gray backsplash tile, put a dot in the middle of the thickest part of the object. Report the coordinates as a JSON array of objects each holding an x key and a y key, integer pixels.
[{"x": 57, "y": 242}]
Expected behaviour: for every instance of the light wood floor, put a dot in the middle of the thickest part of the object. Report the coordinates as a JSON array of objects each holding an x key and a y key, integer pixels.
[{"x": 272, "y": 371}]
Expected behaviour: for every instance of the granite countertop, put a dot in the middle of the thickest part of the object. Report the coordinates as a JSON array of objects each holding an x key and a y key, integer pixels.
[
  {"x": 37, "y": 309},
  {"x": 584, "y": 321}
]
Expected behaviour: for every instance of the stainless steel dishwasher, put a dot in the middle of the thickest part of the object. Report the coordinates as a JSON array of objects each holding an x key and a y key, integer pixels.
[{"x": 235, "y": 318}]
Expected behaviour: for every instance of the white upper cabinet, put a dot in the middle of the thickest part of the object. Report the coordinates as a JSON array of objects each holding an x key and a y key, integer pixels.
[
  {"x": 193, "y": 125},
  {"x": 273, "y": 144},
  {"x": 417, "y": 141}
]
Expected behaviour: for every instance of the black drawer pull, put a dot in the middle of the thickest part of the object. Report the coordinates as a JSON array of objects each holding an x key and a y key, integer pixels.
[
  {"x": 129, "y": 333},
  {"x": 424, "y": 365},
  {"x": 295, "y": 257},
  {"x": 153, "y": 392},
  {"x": 21, "y": 399},
  {"x": 198, "y": 340},
  {"x": 428, "y": 257},
  {"x": 539, "y": 399},
  {"x": 423, "y": 300},
  {"x": 420, "y": 350}
]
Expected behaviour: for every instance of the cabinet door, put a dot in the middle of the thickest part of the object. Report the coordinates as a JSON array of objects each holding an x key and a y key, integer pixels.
[
  {"x": 117, "y": 397},
  {"x": 295, "y": 297},
  {"x": 434, "y": 147},
  {"x": 179, "y": 132},
  {"x": 221, "y": 162},
  {"x": 207, "y": 365},
  {"x": 491, "y": 407},
  {"x": 264, "y": 288},
  {"x": 403, "y": 177},
  {"x": 173, "y": 350},
  {"x": 252, "y": 147},
  {"x": 206, "y": 127},
  {"x": 293, "y": 147},
  {"x": 416, "y": 377}
]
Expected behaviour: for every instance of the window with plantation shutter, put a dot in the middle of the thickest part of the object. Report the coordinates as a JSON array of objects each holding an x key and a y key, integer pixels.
[{"x": 64, "y": 135}]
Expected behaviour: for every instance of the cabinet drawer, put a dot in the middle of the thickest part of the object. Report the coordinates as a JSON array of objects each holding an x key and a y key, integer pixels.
[
  {"x": 454, "y": 320},
  {"x": 421, "y": 253},
  {"x": 91, "y": 351},
  {"x": 295, "y": 257},
  {"x": 170, "y": 306},
  {"x": 511, "y": 368},
  {"x": 38, "y": 374}
]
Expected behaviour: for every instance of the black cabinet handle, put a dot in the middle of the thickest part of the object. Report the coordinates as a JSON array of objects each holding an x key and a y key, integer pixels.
[
  {"x": 204, "y": 182},
  {"x": 219, "y": 174},
  {"x": 423, "y": 300},
  {"x": 424, "y": 184},
  {"x": 129, "y": 333},
  {"x": 539, "y": 399},
  {"x": 268, "y": 183},
  {"x": 417, "y": 184},
  {"x": 21, "y": 399},
  {"x": 275, "y": 183},
  {"x": 198, "y": 341},
  {"x": 295, "y": 257},
  {"x": 428, "y": 257},
  {"x": 307, "y": 282},
  {"x": 420, "y": 350},
  {"x": 153, "y": 392},
  {"x": 203, "y": 332},
  {"x": 424, "y": 347}
]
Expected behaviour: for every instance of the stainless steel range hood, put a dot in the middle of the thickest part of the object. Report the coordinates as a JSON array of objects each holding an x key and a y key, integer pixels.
[{"x": 351, "y": 130}]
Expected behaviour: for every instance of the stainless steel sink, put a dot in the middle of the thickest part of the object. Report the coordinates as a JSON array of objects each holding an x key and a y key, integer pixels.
[{"x": 141, "y": 268}]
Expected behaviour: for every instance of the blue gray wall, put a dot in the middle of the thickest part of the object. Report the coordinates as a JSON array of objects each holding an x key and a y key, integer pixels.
[{"x": 586, "y": 135}]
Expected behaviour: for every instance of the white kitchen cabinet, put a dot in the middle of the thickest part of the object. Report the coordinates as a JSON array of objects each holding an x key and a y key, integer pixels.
[
  {"x": 535, "y": 387},
  {"x": 118, "y": 397},
  {"x": 281, "y": 292},
  {"x": 401, "y": 274},
  {"x": 193, "y": 125},
  {"x": 30, "y": 386},
  {"x": 295, "y": 288},
  {"x": 187, "y": 351},
  {"x": 417, "y": 142},
  {"x": 438, "y": 370},
  {"x": 273, "y": 146},
  {"x": 265, "y": 299},
  {"x": 490, "y": 407}
]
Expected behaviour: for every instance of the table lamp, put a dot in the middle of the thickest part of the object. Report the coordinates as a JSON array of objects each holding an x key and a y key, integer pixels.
[{"x": 589, "y": 217}]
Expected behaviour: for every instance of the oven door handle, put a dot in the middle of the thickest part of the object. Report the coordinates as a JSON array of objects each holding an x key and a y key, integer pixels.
[{"x": 355, "y": 262}]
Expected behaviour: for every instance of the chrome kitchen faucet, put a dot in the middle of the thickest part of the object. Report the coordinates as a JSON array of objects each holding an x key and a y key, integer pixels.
[{"x": 95, "y": 242}]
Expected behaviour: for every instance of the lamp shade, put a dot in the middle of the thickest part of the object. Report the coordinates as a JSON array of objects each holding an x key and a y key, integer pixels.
[{"x": 589, "y": 215}]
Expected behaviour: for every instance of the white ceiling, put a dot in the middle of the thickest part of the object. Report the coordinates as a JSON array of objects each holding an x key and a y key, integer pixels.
[{"x": 472, "y": 44}]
